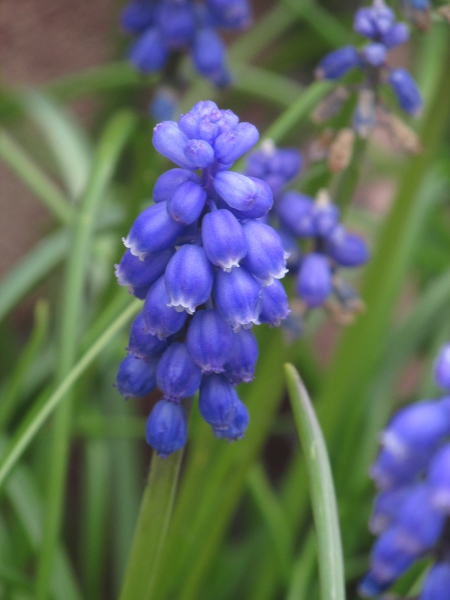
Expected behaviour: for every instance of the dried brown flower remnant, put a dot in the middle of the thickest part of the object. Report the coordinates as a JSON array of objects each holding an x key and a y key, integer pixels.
[{"x": 341, "y": 150}]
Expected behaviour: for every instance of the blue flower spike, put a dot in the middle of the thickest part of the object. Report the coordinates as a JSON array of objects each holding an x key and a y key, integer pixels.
[
  {"x": 207, "y": 271},
  {"x": 378, "y": 24},
  {"x": 164, "y": 28},
  {"x": 412, "y": 511}
]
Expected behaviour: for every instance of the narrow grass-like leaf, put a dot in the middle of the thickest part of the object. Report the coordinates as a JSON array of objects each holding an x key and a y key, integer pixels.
[
  {"x": 33, "y": 346},
  {"x": 34, "y": 177},
  {"x": 69, "y": 144},
  {"x": 331, "y": 566},
  {"x": 108, "y": 151},
  {"x": 273, "y": 516},
  {"x": 40, "y": 412}
]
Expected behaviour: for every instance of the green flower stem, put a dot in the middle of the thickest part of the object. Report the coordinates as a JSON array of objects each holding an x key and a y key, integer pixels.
[
  {"x": 108, "y": 152},
  {"x": 36, "y": 180},
  {"x": 325, "y": 24},
  {"x": 151, "y": 528}
]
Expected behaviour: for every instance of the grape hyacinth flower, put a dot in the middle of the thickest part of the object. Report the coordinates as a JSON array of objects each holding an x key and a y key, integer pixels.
[
  {"x": 166, "y": 29},
  {"x": 411, "y": 514},
  {"x": 378, "y": 24},
  {"x": 318, "y": 245},
  {"x": 208, "y": 269}
]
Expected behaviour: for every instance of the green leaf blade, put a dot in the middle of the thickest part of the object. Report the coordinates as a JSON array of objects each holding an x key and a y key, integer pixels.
[{"x": 323, "y": 498}]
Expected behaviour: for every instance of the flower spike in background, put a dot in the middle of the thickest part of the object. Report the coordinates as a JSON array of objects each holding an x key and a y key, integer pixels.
[
  {"x": 329, "y": 247},
  {"x": 379, "y": 25},
  {"x": 167, "y": 29},
  {"x": 207, "y": 270},
  {"x": 411, "y": 514}
]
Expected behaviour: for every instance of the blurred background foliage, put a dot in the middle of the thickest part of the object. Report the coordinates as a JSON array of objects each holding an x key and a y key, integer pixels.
[{"x": 73, "y": 459}]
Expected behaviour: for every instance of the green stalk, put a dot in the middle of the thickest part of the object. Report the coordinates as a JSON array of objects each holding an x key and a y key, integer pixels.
[
  {"x": 108, "y": 152},
  {"x": 151, "y": 528}
]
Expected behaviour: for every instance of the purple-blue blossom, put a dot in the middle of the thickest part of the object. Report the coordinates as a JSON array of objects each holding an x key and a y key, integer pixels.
[
  {"x": 207, "y": 271},
  {"x": 299, "y": 219},
  {"x": 378, "y": 24},
  {"x": 167, "y": 28},
  {"x": 411, "y": 514}
]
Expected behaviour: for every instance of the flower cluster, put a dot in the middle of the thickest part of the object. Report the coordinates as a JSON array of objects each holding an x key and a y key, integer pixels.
[
  {"x": 208, "y": 270},
  {"x": 378, "y": 24},
  {"x": 165, "y": 27},
  {"x": 411, "y": 515},
  {"x": 317, "y": 243}
]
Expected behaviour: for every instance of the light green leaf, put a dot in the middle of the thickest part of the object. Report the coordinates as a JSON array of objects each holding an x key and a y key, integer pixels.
[{"x": 323, "y": 498}]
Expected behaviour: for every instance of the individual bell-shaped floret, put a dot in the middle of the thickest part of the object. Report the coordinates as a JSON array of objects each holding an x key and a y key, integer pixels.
[
  {"x": 406, "y": 90},
  {"x": 237, "y": 190},
  {"x": 144, "y": 345},
  {"x": 223, "y": 239},
  {"x": 186, "y": 203},
  {"x": 266, "y": 257},
  {"x": 170, "y": 141},
  {"x": 437, "y": 582},
  {"x": 137, "y": 16},
  {"x": 419, "y": 525},
  {"x": 233, "y": 142},
  {"x": 237, "y": 296},
  {"x": 161, "y": 319},
  {"x": 153, "y": 231},
  {"x": 166, "y": 429},
  {"x": 189, "y": 278},
  {"x": 217, "y": 401},
  {"x": 148, "y": 53},
  {"x": 274, "y": 304},
  {"x": 199, "y": 152},
  {"x": 388, "y": 561},
  {"x": 374, "y": 54},
  {"x": 296, "y": 213},
  {"x": 325, "y": 215},
  {"x": 442, "y": 368},
  {"x": 439, "y": 478},
  {"x": 164, "y": 104},
  {"x": 210, "y": 340},
  {"x": 389, "y": 470},
  {"x": 347, "y": 249},
  {"x": 167, "y": 183},
  {"x": 337, "y": 63},
  {"x": 386, "y": 508},
  {"x": 263, "y": 202},
  {"x": 236, "y": 429},
  {"x": 234, "y": 14},
  {"x": 395, "y": 35},
  {"x": 241, "y": 366},
  {"x": 176, "y": 21},
  {"x": 177, "y": 375},
  {"x": 136, "y": 274},
  {"x": 418, "y": 427},
  {"x": 209, "y": 56},
  {"x": 314, "y": 279},
  {"x": 135, "y": 377}
]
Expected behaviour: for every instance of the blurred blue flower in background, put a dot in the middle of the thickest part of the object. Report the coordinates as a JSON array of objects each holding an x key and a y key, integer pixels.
[
  {"x": 207, "y": 269},
  {"x": 170, "y": 28},
  {"x": 411, "y": 512},
  {"x": 378, "y": 24},
  {"x": 318, "y": 245}
]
